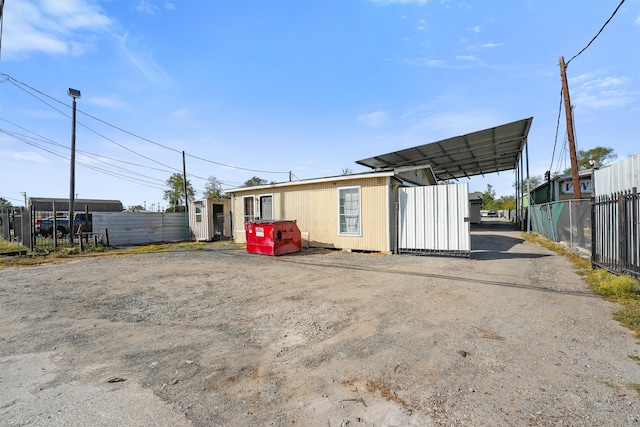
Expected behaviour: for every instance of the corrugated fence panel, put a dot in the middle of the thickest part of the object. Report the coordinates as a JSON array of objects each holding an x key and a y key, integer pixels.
[
  {"x": 434, "y": 219},
  {"x": 620, "y": 176},
  {"x": 133, "y": 228},
  {"x": 175, "y": 227}
]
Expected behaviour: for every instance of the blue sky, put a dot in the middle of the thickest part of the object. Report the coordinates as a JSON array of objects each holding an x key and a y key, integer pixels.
[{"x": 247, "y": 88}]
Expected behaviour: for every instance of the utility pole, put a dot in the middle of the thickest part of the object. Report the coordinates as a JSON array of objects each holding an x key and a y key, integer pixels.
[
  {"x": 74, "y": 93},
  {"x": 184, "y": 178},
  {"x": 570, "y": 136}
]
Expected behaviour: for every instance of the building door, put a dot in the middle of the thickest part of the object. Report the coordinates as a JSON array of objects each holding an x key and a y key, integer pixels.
[
  {"x": 434, "y": 220},
  {"x": 266, "y": 208},
  {"x": 218, "y": 225}
]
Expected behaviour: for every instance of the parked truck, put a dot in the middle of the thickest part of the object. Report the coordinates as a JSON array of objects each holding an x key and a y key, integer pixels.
[{"x": 60, "y": 225}]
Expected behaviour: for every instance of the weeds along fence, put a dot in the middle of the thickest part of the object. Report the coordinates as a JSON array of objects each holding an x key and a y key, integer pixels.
[
  {"x": 567, "y": 221},
  {"x": 616, "y": 244}
]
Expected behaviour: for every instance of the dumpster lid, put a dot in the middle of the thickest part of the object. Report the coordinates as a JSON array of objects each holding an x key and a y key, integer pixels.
[{"x": 276, "y": 221}]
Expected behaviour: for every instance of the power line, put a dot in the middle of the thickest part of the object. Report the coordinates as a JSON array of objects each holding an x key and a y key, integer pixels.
[
  {"x": 85, "y": 153},
  {"x": 15, "y": 82},
  {"x": 49, "y": 141},
  {"x": 26, "y": 138},
  {"x": 596, "y": 36},
  {"x": 231, "y": 166},
  {"x": 555, "y": 142},
  {"x": 87, "y": 165}
]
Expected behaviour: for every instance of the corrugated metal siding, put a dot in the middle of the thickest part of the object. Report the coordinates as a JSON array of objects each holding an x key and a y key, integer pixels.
[
  {"x": 620, "y": 176},
  {"x": 315, "y": 208},
  {"x": 202, "y": 230},
  {"x": 132, "y": 228},
  {"x": 432, "y": 219}
]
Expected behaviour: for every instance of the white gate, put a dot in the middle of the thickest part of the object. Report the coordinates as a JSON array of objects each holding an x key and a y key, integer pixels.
[{"x": 434, "y": 220}]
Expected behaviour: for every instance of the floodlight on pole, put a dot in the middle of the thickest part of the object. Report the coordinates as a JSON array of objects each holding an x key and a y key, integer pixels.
[{"x": 74, "y": 93}]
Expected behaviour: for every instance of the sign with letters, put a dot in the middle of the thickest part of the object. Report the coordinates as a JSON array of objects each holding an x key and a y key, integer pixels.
[{"x": 567, "y": 186}]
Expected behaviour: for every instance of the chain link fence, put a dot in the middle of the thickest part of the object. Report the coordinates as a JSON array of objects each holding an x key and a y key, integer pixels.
[{"x": 567, "y": 221}]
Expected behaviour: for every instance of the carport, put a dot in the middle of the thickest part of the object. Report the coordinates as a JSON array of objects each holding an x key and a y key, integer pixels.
[{"x": 430, "y": 220}]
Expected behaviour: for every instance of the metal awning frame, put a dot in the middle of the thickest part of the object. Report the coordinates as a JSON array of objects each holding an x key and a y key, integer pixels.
[{"x": 491, "y": 150}]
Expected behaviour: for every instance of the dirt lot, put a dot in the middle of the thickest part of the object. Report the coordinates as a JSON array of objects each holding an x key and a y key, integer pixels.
[{"x": 219, "y": 337}]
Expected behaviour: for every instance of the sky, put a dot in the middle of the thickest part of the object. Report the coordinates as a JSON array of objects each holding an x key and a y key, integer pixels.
[{"x": 298, "y": 88}]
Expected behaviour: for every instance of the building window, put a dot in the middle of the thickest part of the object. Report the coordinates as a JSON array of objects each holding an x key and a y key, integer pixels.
[
  {"x": 198, "y": 212},
  {"x": 249, "y": 214},
  {"x": 349, "y": 210},
  {"x": 266, "y": 208}
]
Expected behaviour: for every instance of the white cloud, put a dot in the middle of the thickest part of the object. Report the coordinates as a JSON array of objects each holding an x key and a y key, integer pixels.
[
  {"x": 50, "y": 26},
  {"x": 470, "y": 58},
  {"x": 437, "y": 63},
  {"x": 376, "y": 118},
  {"x": 638, "y": 20},
  {"x": 425, "y": 62},
  {"x": 450, "y": 124},
  {"x": 591, "y": 91},
  {"x": 106, "y": 102},
  {"x": 147, "y": 7},
  {"x": 151, "y": 8},
  {"x": 475, "y": 29},
  {"x": 182, "y": 112},
  {"x": 491, "y": 45},
  {"x": 143, "y": 62},
  {"x": 30, "y": 156}
]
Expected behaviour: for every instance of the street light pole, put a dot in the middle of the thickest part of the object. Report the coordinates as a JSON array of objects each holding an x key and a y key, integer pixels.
[{"x": 74, "y": 93}]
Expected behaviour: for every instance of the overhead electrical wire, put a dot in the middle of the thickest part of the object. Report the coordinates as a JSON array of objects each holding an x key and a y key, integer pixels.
[
  {"x": 49, "y": 141},
  {"x": 13, "y": 81},
  {"x": 555, "y": 142},
  {"x": 88, "y": 165},
  {"x": 18, "y": 84},
  {"x": 596, "y": 36},
  {"x": 94, "y": 155},
  {"x": 567, "y": 64}
]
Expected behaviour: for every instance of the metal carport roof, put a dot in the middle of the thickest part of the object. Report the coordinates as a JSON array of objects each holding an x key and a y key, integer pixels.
[{"x": 491, "y": 150}]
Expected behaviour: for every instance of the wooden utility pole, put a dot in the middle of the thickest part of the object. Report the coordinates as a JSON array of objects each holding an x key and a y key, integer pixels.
[{"x": 570, "y": 136}]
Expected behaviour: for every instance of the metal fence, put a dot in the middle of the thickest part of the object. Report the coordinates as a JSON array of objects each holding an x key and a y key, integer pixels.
[
  {"x": 566, "y": 221},
  {"x": 15, "y": 225},
  {"x": 616, "y": 244}
]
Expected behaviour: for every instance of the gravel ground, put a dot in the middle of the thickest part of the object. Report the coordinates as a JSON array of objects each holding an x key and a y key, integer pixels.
[{"x": 219, "y": 337}]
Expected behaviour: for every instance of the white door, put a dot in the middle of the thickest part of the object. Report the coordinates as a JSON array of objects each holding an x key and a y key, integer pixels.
[{"x": 434, "y": 220}]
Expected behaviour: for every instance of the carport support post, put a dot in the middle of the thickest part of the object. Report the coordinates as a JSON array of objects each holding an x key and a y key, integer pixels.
[{"x": 526, "y": 148}]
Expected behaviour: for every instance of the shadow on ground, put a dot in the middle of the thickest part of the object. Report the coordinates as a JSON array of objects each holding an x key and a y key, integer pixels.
[{"x": 490, "y": 240}]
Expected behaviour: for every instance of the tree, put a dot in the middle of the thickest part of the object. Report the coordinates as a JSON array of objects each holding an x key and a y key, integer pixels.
[
  {"x": 506, "y": 202},
  {"x": 488, "y": 198},
  {"x": 213, "y": 189},
  {"x": 346, "y": 171},
  {"x": 254, "y": 182},
  {"x": 594, "y": 158},
  {"x": 175, "y": 193},
  {"x": 136, "y": 208},
  {"x": 529, "y": 183},
  {"x": 5, "y": 204}
]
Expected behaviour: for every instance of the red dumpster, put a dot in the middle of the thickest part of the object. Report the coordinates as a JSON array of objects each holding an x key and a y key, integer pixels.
[{"x": 273, "y": 237}]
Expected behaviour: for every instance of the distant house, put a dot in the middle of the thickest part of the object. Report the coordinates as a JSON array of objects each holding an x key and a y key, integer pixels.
[
  {"x": 561, "y": 188},
  {"x": 353, "y": 212},
  {"x": 49, "y": 204},
  {"x": 475, "y": 205}
]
